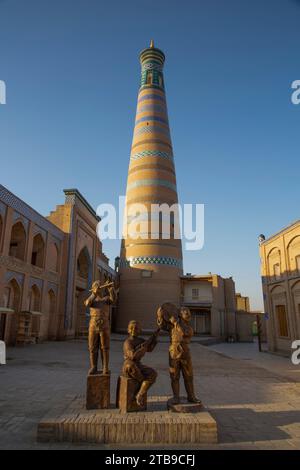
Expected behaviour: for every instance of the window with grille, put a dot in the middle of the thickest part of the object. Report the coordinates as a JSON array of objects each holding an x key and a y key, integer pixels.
[{"x": 195, "y": 293}]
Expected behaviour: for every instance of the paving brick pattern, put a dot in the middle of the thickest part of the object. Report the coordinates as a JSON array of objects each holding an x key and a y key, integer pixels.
[{"x": 255, "y": 408}]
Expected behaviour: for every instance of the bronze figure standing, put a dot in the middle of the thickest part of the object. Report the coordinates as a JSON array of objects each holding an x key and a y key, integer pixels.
[
  {"x": 101, "y": 298},
  {"x": 177, "y": 323}
]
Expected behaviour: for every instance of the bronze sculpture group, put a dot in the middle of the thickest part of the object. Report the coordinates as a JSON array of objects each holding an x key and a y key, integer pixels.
[{"x": 174, "y": 321}]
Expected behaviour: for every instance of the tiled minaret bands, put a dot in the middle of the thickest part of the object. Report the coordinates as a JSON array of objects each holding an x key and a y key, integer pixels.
[{"x": 150, "y": 268}]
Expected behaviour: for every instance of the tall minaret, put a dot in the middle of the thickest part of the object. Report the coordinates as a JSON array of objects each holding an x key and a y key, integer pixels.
[{"x": 150, "y": 268}]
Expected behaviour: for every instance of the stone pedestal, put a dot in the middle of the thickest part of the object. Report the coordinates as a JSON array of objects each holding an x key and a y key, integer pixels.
[
  {"x": 157, "y": 426},
  {"x": 98, "y": 391},
  {"x": 126, "y": 392},
  {"x": 184, "y": 406}
]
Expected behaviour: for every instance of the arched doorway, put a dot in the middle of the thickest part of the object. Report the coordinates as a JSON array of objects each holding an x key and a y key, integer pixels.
[
  {"x": 280, "y": 317},
  {"x": 83, "y": 283},
  {"x": 38, "y": 251},
  {"x": 17, "y": 244},
  {"x": 296, "y": 302},
  {"x": 34, "y": 299},
  {"x": 294, "y": 255},
  {"x": 9, "y": 321},
  {"x": 83, "y": 264}
]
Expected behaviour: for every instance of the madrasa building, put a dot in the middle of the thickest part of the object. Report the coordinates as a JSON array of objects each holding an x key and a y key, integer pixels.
[{"x": 47, "y": 265}]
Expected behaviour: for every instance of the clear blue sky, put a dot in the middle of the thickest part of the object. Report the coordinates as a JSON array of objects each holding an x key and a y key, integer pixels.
[{"x": 72, "y": 74}]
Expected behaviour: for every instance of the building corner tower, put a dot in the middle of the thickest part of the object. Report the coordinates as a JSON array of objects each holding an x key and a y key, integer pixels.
[{"x": 150, "y": 268}]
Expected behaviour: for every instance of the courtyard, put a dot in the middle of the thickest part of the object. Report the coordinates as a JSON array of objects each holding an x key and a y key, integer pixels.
[{"x": 254, "y": 398}]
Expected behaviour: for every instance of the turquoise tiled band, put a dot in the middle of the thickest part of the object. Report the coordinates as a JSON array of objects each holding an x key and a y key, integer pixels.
[
  {"x": 151, "y": 153},
  {"x": 151, "y": 182},
  {"x": 161, "y": 260},
  {"x": 150, "y": 130}
]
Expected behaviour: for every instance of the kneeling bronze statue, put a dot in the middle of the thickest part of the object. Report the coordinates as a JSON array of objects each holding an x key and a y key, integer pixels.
[{"x": 134, "y": 350}]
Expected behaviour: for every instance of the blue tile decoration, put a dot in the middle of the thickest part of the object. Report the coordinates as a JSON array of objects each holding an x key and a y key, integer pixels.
[
  {"x": 152, "y": 182},
  {"x": 36, "y": 281},
  {"x": 52, "y": 286},
  {"x": 161, "y": 260},
  {"x": 2, "y": 209},
  {"x": 19, "y": 277},
  {"x": 151, "y": 153},
  {"x": 70, "y": 199},
  {"x": 150, "y": 130},
  {"x": 17, "y": 217}
]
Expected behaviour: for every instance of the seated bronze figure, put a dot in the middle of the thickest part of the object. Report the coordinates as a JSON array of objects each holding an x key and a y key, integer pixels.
[{"x": 134, "y": 349}]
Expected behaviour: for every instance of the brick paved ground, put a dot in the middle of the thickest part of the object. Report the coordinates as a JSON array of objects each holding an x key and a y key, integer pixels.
[
  {"x": 254, "y": 407},
  {"x": 249, "y": 352}
]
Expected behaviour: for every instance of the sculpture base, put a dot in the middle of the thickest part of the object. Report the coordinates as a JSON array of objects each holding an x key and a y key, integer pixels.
[
  {"x": 126, "y": 392},
  {"x": 98, "y": 391},
  {"x": 184, "y": 406},
  {"x": 156, "y": 426}
]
